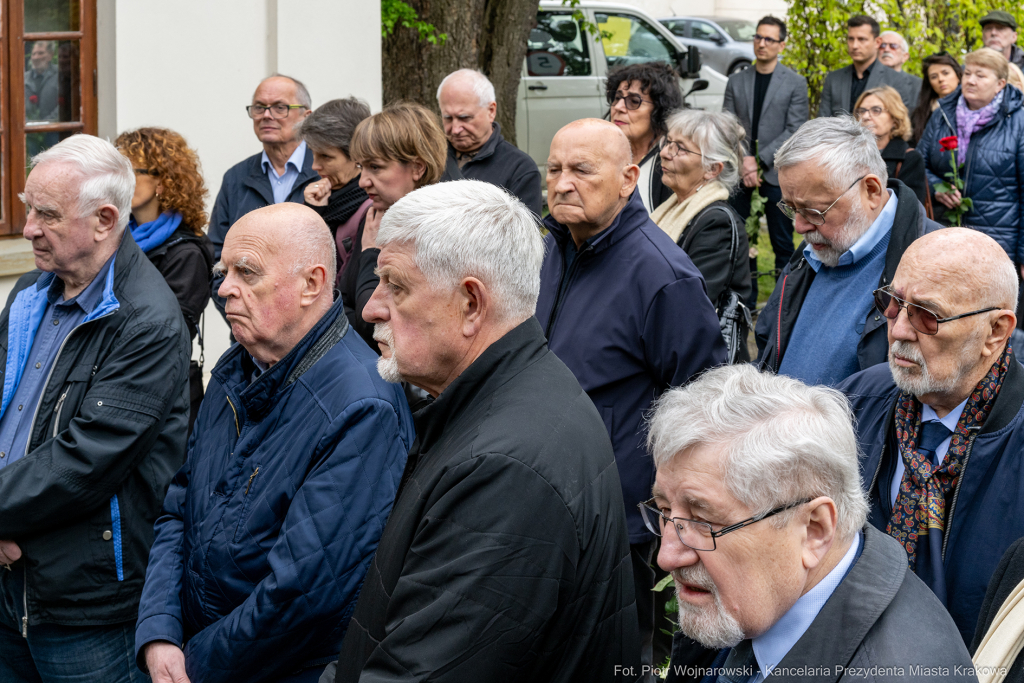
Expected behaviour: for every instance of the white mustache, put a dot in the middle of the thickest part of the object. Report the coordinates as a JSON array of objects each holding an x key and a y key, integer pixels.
[
  {"x": 907, "y": 350},
  {"x": 695, "y": 575}
]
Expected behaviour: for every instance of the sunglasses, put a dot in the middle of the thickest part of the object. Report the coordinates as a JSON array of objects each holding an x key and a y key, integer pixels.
[{"x": 921, "y": 319}]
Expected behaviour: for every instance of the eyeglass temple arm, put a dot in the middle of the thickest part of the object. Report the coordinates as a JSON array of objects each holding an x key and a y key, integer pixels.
[{"x": 965, "y": 315}]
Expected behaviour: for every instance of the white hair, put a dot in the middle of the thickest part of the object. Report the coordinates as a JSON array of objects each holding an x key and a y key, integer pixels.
[
  {"x": 839, "y": 145},
  {"x": 471, "y": 228},
  {"x": 718, "y": 136},
  {"x": 903, "y": 41},
  {"x": 482, "y": 86},
  {"x": 107, "y": 175},
  {"x": 782, "y": 440}
]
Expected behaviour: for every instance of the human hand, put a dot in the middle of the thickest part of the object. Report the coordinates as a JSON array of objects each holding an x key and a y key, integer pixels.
[
  {"x": 751, "y": 173},
  {"x": 370, "y": 228},
  {"x": 950, "y": 199},
  {"x": 9, "y": 552},
  {"x": 166, "y": 662},
  {"x": 316, "y": 194}
]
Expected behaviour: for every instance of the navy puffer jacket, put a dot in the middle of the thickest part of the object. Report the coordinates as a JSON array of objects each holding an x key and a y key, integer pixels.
[{"x": 993, "y": 172}]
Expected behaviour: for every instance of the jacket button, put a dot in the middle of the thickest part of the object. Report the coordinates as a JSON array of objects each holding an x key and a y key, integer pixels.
[
  {"x": 99, "y": 403},
  {"x": 21, "y": 406},
  {"x": 56, "y": 322},
  {"x": 107, "y": 535},
  {"x": 2, "y": 455},
  {"x": 878, "y": 317},
  {"x": 38, "y": 365}
]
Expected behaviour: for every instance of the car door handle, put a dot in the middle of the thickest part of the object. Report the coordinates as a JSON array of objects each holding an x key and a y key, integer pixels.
[{"x": 537, "y": 87}]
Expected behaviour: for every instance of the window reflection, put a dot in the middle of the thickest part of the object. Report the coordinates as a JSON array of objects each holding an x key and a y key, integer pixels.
[{"x": 51, "y": 15}]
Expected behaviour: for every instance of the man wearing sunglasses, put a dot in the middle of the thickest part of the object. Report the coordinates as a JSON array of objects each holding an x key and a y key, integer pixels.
[
  {"x": 819, "y": 325},
  {"x": 278, "y": 174},
  {"x": 763, "y": 530},
  {"x": 941, "y": 426}
]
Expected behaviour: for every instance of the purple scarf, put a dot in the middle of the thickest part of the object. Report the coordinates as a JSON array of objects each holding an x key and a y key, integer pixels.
[{"x": 968, "y": 122}]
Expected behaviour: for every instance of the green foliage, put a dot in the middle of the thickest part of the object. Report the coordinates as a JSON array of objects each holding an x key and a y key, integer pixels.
[
  {"x": 581, "y": 19},
  {"x": 398, "y": 13},
  {"x": 817, "y": 31}
]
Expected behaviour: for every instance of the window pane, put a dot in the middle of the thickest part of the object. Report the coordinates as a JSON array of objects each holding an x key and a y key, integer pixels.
[
  {"x": 702, "y": 31},
  {"x": 739, "y": 29},
  {"x": 52, "y": 81},
  {"x": 39, "y": 142},
  {"x": 632, "y": 41},
  {"x": 557, "y": 47},
  {"x": 51, "y": 15}
]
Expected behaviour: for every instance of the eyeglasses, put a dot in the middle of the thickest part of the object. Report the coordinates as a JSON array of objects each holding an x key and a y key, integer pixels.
[
  {"x": 700, "y": 535},
  {"x": 278, "y": 110},
  {"x": 673, "y": 148},
  {"x": 895, "y": 47},
  {"x": 813, "y": 216},
  {"x": 771, "y": 41},
  {"x": 633, "y": 101},
  {"x": 875, "y": 111},
  {"x": 921, "y": 319},
  {"x": 146, "y": 171}
]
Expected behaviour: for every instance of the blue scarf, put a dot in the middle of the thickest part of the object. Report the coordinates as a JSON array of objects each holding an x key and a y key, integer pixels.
[{"x": 151, "y": 235}]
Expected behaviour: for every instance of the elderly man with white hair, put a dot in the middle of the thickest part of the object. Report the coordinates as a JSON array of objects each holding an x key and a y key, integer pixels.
[
  {"x": 761, "y": 515},
  {"x": 297, "y": 452},
  {"x": 476, "y": 148},
  {"x": 506, "y": 556},
  {"x": 93, "y": 422},
  {"x": 819, "y": 325},
  {"x": 894, "y": 53},
  {"x": 941, "y": 426}
]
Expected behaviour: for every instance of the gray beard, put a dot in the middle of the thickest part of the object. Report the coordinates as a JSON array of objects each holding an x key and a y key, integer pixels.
[
  {"x": 856, "y": 225},
  {"x": 713, "y": 627},
  {"x": 919, "y": 381},
  {"x": 387, "y": 368}
]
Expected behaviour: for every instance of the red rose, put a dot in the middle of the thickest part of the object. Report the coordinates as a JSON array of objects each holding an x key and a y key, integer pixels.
[
  {"x": 948, "y": 144},
  {"x": 34, "y": 99}
]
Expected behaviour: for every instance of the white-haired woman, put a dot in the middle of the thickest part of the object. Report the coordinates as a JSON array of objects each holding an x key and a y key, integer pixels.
[{"x": 700, "y": 162}]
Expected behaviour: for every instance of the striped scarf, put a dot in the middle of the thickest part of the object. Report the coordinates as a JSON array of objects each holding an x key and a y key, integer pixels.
[{"x": 921, "y": 502}]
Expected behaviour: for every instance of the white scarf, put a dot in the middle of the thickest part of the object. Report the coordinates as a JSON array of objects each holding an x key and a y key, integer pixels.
[{"x": 673, "y": 215}]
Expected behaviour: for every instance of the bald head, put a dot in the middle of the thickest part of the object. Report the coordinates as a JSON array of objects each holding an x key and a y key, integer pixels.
[
  {"x": 590, "y": 176},
  {"x": 279, "y": 267},
  {"x": 970, "y": 265}
]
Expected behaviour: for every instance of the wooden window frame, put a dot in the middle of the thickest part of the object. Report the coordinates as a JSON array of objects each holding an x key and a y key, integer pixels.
[{"x": 13, "y": 125}]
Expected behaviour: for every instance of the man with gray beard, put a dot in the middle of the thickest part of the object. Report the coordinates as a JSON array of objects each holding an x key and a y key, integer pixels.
[
  {"x": 761, "y": 514},
  {"x": 941, "y": 427},
  {"x": 819, "y": 325}
]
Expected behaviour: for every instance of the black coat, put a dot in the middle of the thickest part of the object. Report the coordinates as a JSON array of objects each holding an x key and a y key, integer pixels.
[
  {"x": 795, "y": 281},
  {"x": 707, "y": 240},
  {"x": 1008, "y": 574},
  {"x": 907, "y": 165},
  {"x": 500, "y": 163},
  {"x": 505, "y": 557},
  {"x": 356, "y": 284},
  {"x": 108, "y": 435}
]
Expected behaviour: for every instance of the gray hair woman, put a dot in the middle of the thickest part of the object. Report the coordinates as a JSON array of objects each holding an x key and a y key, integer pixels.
[{"x": 701, "y": 161}]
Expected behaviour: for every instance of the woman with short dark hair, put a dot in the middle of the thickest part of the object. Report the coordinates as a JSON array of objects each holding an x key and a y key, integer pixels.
[{"x": 640, "y": 99}]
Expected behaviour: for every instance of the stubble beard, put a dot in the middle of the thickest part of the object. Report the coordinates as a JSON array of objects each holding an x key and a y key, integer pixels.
[{"x": 856, "y": 225}]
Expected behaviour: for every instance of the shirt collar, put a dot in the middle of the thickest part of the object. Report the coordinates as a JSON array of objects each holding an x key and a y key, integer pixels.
[
  {"x": 867, "y": 242},
  {"x": 295, "y": 160},
  {"x": 89, "y": 298},
  {"x": 867, "y": 71},
  {"x": 928, "y": 414},
  {"x": 771, "y": 646}
]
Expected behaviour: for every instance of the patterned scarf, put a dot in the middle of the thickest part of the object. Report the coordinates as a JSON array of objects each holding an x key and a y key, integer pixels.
[
  {"x": 969, "y": 121},
  {"x": 921, "y": 501}
]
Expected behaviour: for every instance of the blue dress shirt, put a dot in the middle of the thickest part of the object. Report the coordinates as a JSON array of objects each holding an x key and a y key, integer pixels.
[
  {"x": 863, "y": 246},
  {"x": 60, "y": 318},
  {"x": 282, "y": 184}
]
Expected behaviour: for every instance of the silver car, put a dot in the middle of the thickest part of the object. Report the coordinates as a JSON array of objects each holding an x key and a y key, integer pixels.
[{"x": 725, "y": 44}]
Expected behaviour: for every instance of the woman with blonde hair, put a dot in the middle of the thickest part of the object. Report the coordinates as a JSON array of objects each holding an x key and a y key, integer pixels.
[
  {"x": 168, "y": 217},
  {"x": 881, "y": 110},
  {"x": 398, "y": 150}
]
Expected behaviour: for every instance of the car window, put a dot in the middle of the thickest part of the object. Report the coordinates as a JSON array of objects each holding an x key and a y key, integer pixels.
[
  {"x": 556, "y": 47},
  {"x": 704, "y": 31},
  {"x": 631, "y": 40},
  {"x": 676, "y": 26},
  {"x": 739, "y": 29}
]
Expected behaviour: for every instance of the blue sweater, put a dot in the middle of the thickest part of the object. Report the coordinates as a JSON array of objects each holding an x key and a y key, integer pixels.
[{"x": 823, "y": 348}]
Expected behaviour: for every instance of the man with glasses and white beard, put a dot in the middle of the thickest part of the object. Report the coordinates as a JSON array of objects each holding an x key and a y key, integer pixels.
[
  {"x": 941, "y": 427},
  {"x": 819, "y": 325},
  {"x": 761, "y": 515}
]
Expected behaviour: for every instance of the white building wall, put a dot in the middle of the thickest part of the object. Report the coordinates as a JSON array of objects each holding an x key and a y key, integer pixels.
[
  {"x": 740, "y": 9},
  {"x": 192, "y": 66}
]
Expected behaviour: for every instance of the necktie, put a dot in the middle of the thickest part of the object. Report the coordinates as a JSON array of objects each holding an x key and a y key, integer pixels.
[
  {"x": 932, "y": 434},
  {"x": 741, "y": 664}
]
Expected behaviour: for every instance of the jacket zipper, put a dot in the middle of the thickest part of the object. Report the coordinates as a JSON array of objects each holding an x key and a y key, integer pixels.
[
  {"x": 956, "y": 493},
  {"x": 251, "y": 477},
  {"x": 573, "y": 269},
  {"x": 238, "y": 432},
  {"x": 60, "y": 407},
  {"x": 24, "y": 602}
]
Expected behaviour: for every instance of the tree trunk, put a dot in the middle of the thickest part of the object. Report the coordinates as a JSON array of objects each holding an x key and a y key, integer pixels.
[{"x": 489, "y": 35}]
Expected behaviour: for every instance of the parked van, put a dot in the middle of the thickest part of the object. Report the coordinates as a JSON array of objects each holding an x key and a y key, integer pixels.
[{"x": 565, "y": 69}]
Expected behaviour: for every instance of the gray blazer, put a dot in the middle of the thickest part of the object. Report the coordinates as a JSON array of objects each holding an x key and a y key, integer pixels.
[
  {"x": 784, "y": 110},
  {"x": 835, "y": 94}
]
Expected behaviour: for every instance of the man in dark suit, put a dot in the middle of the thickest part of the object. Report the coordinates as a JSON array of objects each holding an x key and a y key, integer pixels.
[
  {"x": 770, "y": 101},
  {"x": 843, "y": 86}
]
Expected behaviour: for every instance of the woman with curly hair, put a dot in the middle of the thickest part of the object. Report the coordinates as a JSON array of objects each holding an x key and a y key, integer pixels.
[
  {"x": 167, "y": 222},
  {"x": 640, "y": 99}
]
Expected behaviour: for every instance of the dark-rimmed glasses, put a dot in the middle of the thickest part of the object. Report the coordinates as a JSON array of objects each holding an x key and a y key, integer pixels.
[
  {"x": 813, "y": 216},
  {"x": 770, "y": 41},
  {"x": 278, "y": 110},
  {"x": 632, "y": 100},
  {"x": 921, "y": 319},
  {"x": 700, "y": 535},
  {"x": 874, "y": 111},
  {"x": 674, "y": 147}
]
